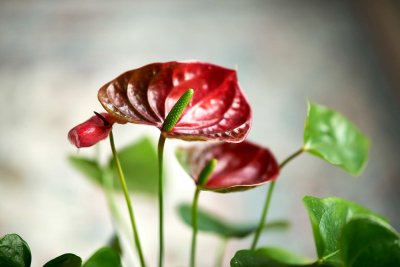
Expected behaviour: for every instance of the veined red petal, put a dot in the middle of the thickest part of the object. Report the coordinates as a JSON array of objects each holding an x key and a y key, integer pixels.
[
  {"x": 239, "y": 166},
  {"x": 218, "y": 110}
]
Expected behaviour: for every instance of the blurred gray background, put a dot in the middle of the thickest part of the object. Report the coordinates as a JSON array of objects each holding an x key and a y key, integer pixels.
[{"x": 55, "y": 55}]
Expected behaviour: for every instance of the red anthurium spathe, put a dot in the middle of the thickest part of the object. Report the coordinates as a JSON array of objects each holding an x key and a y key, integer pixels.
[
  {"x": 92, "y": 131},
  {"x": 218, "y": 110},
  {"x": 239, "y": 166}
]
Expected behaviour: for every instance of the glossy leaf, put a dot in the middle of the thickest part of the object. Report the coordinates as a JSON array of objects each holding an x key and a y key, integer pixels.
[
  {"x": 217, "y": 111},
  {"x": 332, "y": 137},
  {"x": 104, "y": 257},
  {"x": 139, "y": 162},
  {"x": 328, "y": 216},
  {"x": 65, "y": 260},
  {"x": 272, "y": 257},
  {"x": 92, "y": 131},
  {"x": 88, "y": 167},
  {"x": 14, "y": 251},
  {"x": 208, "y": 222},
  {"x": 369, "y": 241},
  {"x": 239, "y": 166}
]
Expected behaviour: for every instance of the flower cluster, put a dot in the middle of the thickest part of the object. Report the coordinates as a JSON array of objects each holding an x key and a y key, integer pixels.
[{"x": 218, "y": 111}]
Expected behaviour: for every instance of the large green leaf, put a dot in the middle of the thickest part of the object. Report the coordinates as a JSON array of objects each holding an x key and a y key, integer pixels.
[
  {"x": 369, "y": 241},
  {"x": 332, "y": 137},
  {"x": 88, "y": 167},
  {"x": 104, "y": 257},
  {"x": 14, "y": 252},
  {"x": 139, "y": 163},
  {"x": 272, "y": 257},
  {"x": 208, "y": 222},
  {"x": 328, "y": 216},
  {"x": 65, "y": 260}
]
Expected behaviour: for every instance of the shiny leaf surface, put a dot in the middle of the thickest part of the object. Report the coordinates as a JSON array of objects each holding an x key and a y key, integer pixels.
[
  {"x": 14, "y": 251},
  {"x": 328, "y": 216},
  {"x": 369, "y": 241},
  {"x": 104, "y": 257},
  {"x": 217, "y": 111},
  {"x": 65, "y": 260},
  {"x": 207, "y": 222},
  {"x": 239, "y": 166},
  {"x": 332, "y": 137}
]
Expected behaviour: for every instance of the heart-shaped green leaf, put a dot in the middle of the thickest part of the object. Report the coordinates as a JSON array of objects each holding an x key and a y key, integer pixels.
[
  {"x": 208, "y": 222},
  {"x": 14, "y": 251},
  {"x": 328, "y": 216},
  {"x": 88, "y": 167},
  {"x": 139, "y": 163},
  {"x": 65, "y": 260},
  {"x": 369, "y": 241},
  {"x": 104, "y": 257},
  {"x": 272, "y": 257},
  {"x": 332, "y": 137}
]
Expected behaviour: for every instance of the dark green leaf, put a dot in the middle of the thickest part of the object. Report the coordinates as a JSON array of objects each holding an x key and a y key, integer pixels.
[
  {"x": 65, "y": 260},
  {"x": 272, "y": 257},
  {"x": 328, "y": 216},
  {"x": 369, "y": 241},
  {"x": 14, "y": 252},
  {"x": 88, "y": 167},
  {"x": 139, "y": 163},
  {"x": 208, "y": 222},
  {"x": 104, "y": 257},
  {"x": 115, "y": 244},
  {"x": 332, "y": 137}
]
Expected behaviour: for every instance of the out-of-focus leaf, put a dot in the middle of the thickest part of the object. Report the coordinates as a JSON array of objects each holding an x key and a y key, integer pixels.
[
  {"x": 369, "y": 241},
  {"x": 208, "y": 222},
  {"x": 14, "y": 252},
  {"x": 115, "y": 244},
  {"x": 88, "y": 167},
  {"x": 332, "y": 137},
  {"x": 328, "y": 217},
  {"x": 272, "y": 257},
  {"x": 65, "y": 260},
  {"x": 218, "y": 111},
  {"x": 104, "y": 257},
  {"x": 139, "y": 163}
]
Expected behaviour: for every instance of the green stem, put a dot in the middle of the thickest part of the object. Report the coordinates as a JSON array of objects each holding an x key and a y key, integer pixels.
[
  {"x": 268, "y": 199},
  {"x": 127, "y": 199},
  {"x": 161, "y": 143},
  {"x": 221, "y": 252},
  {"x": 194, "y": 226},
  {"x": 286, "y": 161}
]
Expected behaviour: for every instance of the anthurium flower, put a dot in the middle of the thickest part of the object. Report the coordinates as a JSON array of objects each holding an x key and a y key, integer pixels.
[
  {"x": 238, "y": 166},
  {"x": 93, "y": 130},
  {"x": 218, "y": 110}
]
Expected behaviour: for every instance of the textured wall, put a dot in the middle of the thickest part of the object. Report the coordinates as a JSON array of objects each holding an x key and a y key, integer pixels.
[{"x": 54, "y": 57}]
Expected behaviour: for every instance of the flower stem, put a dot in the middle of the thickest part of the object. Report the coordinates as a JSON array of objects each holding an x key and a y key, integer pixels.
[
  {"x": 221, "y": 252},
  {"x": 268, "y": 199},
  {"x": 127, "y": 199},
  {"x": 194, "y": 226},
  {"x": 161, "y": 143}
]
